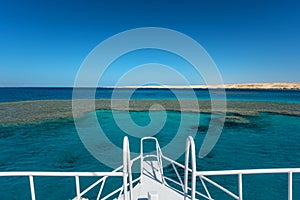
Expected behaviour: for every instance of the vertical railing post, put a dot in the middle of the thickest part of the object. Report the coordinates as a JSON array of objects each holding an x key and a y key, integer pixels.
[
  {"x": 240, "y": 187},
  {"x": 290, "y": 186},
  {"x": 129, "y": 170},
  {"x": 32, "y": 187},
  {"x": 186, "y": 171},
  {"x": 193, "y": 156},
  {"x": 190, "y": 146},
  {"x": 77, "y": 187},
  {"x": 193, "y": 186},
  {"x": 142, "y": 159},
  {"x": 125, "y": 171}
]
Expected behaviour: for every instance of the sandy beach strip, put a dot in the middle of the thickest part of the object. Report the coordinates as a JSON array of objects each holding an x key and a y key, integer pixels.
[
  {"x": 278, "y": 86},
  {"x": 41, "y": 110}
]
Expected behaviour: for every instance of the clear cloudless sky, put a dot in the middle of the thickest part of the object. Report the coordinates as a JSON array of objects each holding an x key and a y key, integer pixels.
[{"x": 43, "y": 43}]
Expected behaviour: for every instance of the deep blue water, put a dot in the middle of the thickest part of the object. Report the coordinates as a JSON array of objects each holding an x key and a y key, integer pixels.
[
  {"x": 266, "y": 141},
  {"x": 23, "y": 94}
]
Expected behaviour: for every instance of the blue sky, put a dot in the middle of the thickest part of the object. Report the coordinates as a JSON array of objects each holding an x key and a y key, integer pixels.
[{"x": 43, "y": 43}]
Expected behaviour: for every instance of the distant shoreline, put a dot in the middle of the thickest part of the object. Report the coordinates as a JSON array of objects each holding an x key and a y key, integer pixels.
[
  {"x": 279, "y": 86},
  {"x": 263, "y": 86}
]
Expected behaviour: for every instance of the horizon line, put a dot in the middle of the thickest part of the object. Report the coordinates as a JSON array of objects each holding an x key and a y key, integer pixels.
[{"x": 266, "y": 85}]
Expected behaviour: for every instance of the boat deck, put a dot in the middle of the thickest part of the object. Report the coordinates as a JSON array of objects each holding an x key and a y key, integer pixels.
[{"x": 152, "y": 183}]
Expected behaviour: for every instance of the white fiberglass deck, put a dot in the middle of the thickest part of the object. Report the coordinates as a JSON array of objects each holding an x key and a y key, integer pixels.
[{"x": 152, "y": 182}]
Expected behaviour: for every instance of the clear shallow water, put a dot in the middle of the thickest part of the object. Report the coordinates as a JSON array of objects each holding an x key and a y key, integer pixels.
[
  {"x": 23, "y": 94},
  {"x": 266, "y": 141}
]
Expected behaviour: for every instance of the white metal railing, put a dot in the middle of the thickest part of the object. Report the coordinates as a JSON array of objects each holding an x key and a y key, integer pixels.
[
  {"x": 76, "y": 175},
  {"x": 240, "y": 173},
  {"x": 190, "y": 154},
  {"x": 126, "y": 174},
  {"x": 190, "y": 147}
]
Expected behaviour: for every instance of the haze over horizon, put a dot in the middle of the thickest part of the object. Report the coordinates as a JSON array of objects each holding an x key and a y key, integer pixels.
[{"x": 44, "y": 43}]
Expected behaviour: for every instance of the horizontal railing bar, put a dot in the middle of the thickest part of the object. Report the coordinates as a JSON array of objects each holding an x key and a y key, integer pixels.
[
  {"x": 248, "y": 171},
  {"x": 67, "y": 174},
  {"x": 198, "y": 173}
]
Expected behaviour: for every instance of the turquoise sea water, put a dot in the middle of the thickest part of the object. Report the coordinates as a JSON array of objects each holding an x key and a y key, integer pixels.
[{"x": 265, "y": 141}]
